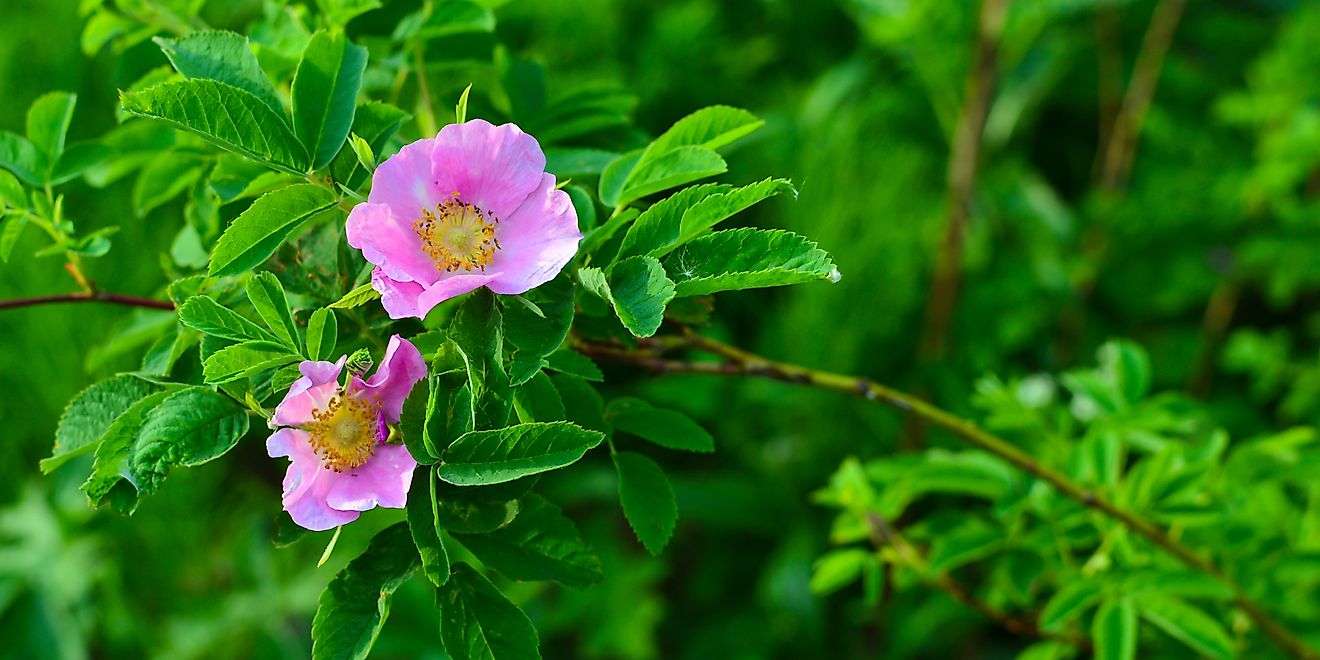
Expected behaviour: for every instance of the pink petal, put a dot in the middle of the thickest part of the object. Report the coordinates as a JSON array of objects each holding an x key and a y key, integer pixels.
[
  {"x": 410, "y": 299},
  {"x": 400, "y": 369},
  {"x": 404, "y": 181},
  {"x": 306, "y": 483},
  {"x": 537, "y": 241},
  {"x": 382, "y": 481},
  {"x": 494, "y": 167},
  {"x": 387, "y": 240},
  {"x": 319, "y": 383}
]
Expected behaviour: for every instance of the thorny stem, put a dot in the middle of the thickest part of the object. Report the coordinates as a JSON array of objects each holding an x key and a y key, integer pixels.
[
  {"x": 649, "y": 355},
  {"x": 883, "y": 535}
]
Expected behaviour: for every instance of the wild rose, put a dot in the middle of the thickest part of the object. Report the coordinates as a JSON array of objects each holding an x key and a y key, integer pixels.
[
  {"x": 334, "y": 435},
  {"x": 470, "y": 207}
]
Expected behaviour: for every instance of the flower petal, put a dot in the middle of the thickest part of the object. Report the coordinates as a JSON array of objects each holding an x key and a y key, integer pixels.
[
  {"x": 494, "y": 167},
  {"x": 537, "y": 241},
  {"x": 410, "y": 299},
  {"x": 389, "y": 242},
  {"x": 400, "y": 369},
  {"x": 404, "y": 181},
  {"x": 307, "y": 483},
  {"x": 320, "y": 382},
  {"x": 452, "y": 286},
  {"x": 382, "y": 481}
]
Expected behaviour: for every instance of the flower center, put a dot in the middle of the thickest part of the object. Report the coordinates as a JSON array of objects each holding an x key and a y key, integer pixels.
[
  {"x": 344, "y": 432},
  {"x": 458, "y": 236}
]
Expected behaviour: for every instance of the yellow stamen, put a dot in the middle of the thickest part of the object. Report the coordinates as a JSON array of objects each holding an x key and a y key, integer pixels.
[
  {"x": 458, "y": 236},
  {"x": 344, "y": 432}
]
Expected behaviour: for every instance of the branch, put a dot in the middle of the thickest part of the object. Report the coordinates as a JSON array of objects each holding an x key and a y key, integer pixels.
[
  {"x": 89, "y": 297},
  {"x": 741, "y": 363},
  {"x": 883, "y": 534},
  {"x": 963, "y": 158}
]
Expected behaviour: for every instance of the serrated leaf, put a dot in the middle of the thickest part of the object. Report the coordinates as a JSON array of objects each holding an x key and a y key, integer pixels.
[
  {"x": 374, "y": 122},
  {"x": 188, "y": 428},
  {"x": 1189, "y": 625},
  {"x": 48, "y": 120},
  {"x": 255, "y": 234},
  {"x": 325, "y": 91},
  {"x": 473, "y": 516},
  {"x": 322, "y": 334},
  {"x": 746, "y": 259},
  {"x": 221, "y": 56},
  {"x": 491, "y": 457},
  {"x": 207, "y": 316},
  {"x": 478, "y": 623},
  {"x": 1114, "y": 630},
  {"x": 534, "y": 337},
  {"x": 425, "y": 526},
  {"x": 647, "y": 499},
  {"x": 112, "y": 451},
  {"x": 657, "y": 229},
  {"x": 571, "y": 362},
  {"x": 716, "y": 208},
  {"x": 356, "y": 298},
  {"x": 614, "y": 176},
  {"x": 540, "y": 544},
  {"x": 231, "y": 117},
  {"x": 670, "y": 169},
  {"x": 267, "y": 296},
  {"x": 537, "y": 400},
  {"x": 668, "y": 428},
  {"x": 353, "y": 608},
  {"x": 242, "y": 360},
  {"x": 712, "y": 127},
  {"x": 1068, "y": 603},
  {"x": 637, "y": 288},
  {"x": 477, "y": 330},
  {"x": 90, "y": 414}
]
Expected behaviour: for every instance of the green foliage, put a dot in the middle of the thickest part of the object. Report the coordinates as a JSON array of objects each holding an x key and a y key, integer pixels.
[
  {"x": 478, "y": 621},
  {"x": 354, "y": 606},
  {"x": 647, "y": 498},
  {"x": 258, "y": 232},
  {"x": 325, "y": 94},
  {"x": 480, "y": 458}
]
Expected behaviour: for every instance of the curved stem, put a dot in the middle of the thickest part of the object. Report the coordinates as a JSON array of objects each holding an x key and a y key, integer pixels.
[
  {"x": 649, "y": 355},
  {"x": 84, "y": 297}
]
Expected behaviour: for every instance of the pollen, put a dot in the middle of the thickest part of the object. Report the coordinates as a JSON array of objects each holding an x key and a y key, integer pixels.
[
  {"x": 344, "y": 432},
  {"x": 458, "y": 236}
]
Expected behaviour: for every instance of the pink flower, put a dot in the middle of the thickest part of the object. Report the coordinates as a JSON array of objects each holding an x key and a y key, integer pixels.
[
  {"x": 471, "y": 207},
  {"x": 334, "y": 436}
]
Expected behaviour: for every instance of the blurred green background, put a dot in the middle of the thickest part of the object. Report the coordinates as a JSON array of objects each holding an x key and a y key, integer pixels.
[{"x": 861, "y": 98}]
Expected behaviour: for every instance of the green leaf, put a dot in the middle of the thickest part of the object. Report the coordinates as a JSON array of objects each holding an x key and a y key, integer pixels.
[
  {"x": 258, "y": 232},
  {"x": 362, "y": 149},
  {"x": 11, "y": 192},
  {"x": 597, "y": 237},
  {"x": 460, "y": 108},
  {"x": 20, "y": 156},
  {"x": 340, "y": 12},
  {"x": 714, "y": 209},
  {"x": 1189, "y": 625},
  {"x": 711, "y": 127},
  {"x": 478, "y": 331},
  {"x": 322, "y": 334},
  {"x": 353, "y": 608},
  {"x": 668, "y": 428},
  {"x": 242, "y": 360},
  {"x": 91, "y": 413},
  {"x": 615, "y": 175},
  {"x": 571, "y": 362},
  {"x": 658, "y": 228},
  {"x": 534, "y": 337},
  {"x": 670, "y": 170},
  {"x": 207, "y": 316},
  {"x": 647, "y": 498},
  {"x": 569, "y": 163},
  {"x": 478, "y": 623},
  {"x": 970, "y": 541},
  {"x": 1068, "y": 603},
  {"x": 538, "y": 401},
  {"x": 456, "y": 17},
  {"x": 325, "y": 91},
  {"x": 838, "y": 569},
  {"x": 358, "y": 297},
  {"x": 188, "y": 428},
  {"x": 491, "y": 457},
  {"x": 267, "y": 296},
  {"x": 425, "y": 526},
  {"x": 9, "y": 235},
  {"x": 637, "y": 288},
  {"x": 165, "y": 178},
  {"x": 475, "y": 517},
  {"x": 374, "y": 122},
  {"x": 747, "y": 259},
  {"x": 224, "y": 57},
  {"x": 112, "y": 451},
  {"x": 540, "y": 544},
  {"x": 232, "y": 118},
  {"x": 48, "y": 120},
  {"x": 1114, "y": 630}
]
